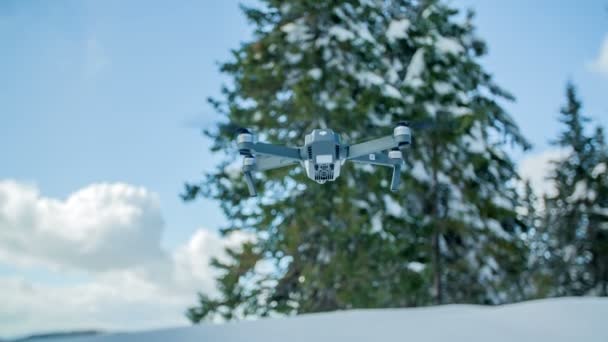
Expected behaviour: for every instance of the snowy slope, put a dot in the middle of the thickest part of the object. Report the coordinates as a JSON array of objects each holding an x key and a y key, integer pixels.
[{"x": 555, "y": 320}]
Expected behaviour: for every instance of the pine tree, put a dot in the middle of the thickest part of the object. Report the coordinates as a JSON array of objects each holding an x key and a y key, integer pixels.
[
  {"x": 450, "y": 234},
  {"x": 536, "y": 280},
  {"x": 598, "y": 215},
  {"x": 576, "y": 215}
]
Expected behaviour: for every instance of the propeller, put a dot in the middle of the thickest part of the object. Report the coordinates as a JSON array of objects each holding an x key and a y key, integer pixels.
[
  {"x": 210, "y": 125},
  {"x": 443, "y": 121}
]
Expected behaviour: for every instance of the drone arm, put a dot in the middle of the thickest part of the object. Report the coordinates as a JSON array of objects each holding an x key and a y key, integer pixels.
[
  {"x": 277, "y": 151},
  {"x": 265, "y": 162},
  {"x": 377, "y": 158},
  {"x": 261, "y": 163},
  {"x": 372, "y": 146},
  {"x": 269, "y": 156},
  {"x": 402, "y": 136},
  {"x": 385, "y": 159}
]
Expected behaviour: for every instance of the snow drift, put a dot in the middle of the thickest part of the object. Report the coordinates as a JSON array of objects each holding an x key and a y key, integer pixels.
[{"x": 555, "y": 320}]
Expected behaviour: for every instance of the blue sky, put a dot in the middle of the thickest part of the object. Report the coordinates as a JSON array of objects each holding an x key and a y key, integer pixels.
[
  {"x": 113, "y": 91},
  {"x": 100, "y": 91},
  {"x": 535, "y": 47}
]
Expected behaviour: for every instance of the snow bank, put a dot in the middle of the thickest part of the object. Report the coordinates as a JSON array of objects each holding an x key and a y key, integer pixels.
[{"x": 555, "y": 320}]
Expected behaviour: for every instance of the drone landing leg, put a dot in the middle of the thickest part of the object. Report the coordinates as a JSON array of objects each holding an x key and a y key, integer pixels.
[
  {"x": 249, "y": 181},
  {"x": 396, "y": 177}
]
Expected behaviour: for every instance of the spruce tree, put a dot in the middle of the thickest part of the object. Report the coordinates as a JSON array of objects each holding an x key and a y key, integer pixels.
[
  {"x": 576, "y": 215},
  {"x": 536, "y": 280},
  {"x": 598, "y": 216},
  {"x": 450, "y": 234}
]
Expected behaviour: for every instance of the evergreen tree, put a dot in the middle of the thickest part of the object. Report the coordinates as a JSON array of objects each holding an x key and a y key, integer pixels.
[
  {"x": 536, "y": 280},
  {"x": 576, "y": 216},
  {"x": 450, "y": 234},
  {"x": 598, "y": 216}
]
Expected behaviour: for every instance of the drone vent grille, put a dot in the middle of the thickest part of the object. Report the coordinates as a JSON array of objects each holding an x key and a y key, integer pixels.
[{"x": 324, "y": 173}]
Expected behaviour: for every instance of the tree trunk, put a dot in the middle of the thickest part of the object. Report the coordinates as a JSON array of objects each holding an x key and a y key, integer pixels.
[
  {"x": 437, "y": 271},
  {"x": 437, "y": 283}
]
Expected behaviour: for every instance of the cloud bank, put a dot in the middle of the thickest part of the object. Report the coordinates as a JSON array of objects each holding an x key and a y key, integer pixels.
[
  {"x": 98, "y": 228},
  {"x": 111, "y": 233}
]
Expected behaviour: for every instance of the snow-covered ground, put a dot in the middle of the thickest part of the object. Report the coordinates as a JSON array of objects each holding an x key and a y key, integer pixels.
[{"x": 554, "y": 320}]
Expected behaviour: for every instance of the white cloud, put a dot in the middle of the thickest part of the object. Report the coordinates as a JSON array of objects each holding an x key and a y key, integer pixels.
[
  {"x": 101, "y": 227},
  {"x": 600, "y": 64},
  {"x": 536, "y": 167},
  {"x": 112, "y": 232},
  {"x": 192, "y": 269}
]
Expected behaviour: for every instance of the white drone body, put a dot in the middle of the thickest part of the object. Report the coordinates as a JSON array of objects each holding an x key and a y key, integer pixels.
[{"x": 323, "y": 154}]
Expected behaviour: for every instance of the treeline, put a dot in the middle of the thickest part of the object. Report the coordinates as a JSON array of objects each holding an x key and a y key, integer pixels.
[{"x": 460, "y": 230}]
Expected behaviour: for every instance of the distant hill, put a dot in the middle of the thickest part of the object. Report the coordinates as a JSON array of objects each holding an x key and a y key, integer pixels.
[{"x": 53, "y": 336}]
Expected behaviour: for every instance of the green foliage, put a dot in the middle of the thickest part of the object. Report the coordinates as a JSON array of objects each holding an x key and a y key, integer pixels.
[
  {"x": 576, "y": 218},
  {"x": 450, "y": 234}
]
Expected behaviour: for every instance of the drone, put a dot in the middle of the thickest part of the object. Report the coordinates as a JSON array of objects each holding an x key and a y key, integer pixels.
[{"x": 323, "y": 154}]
